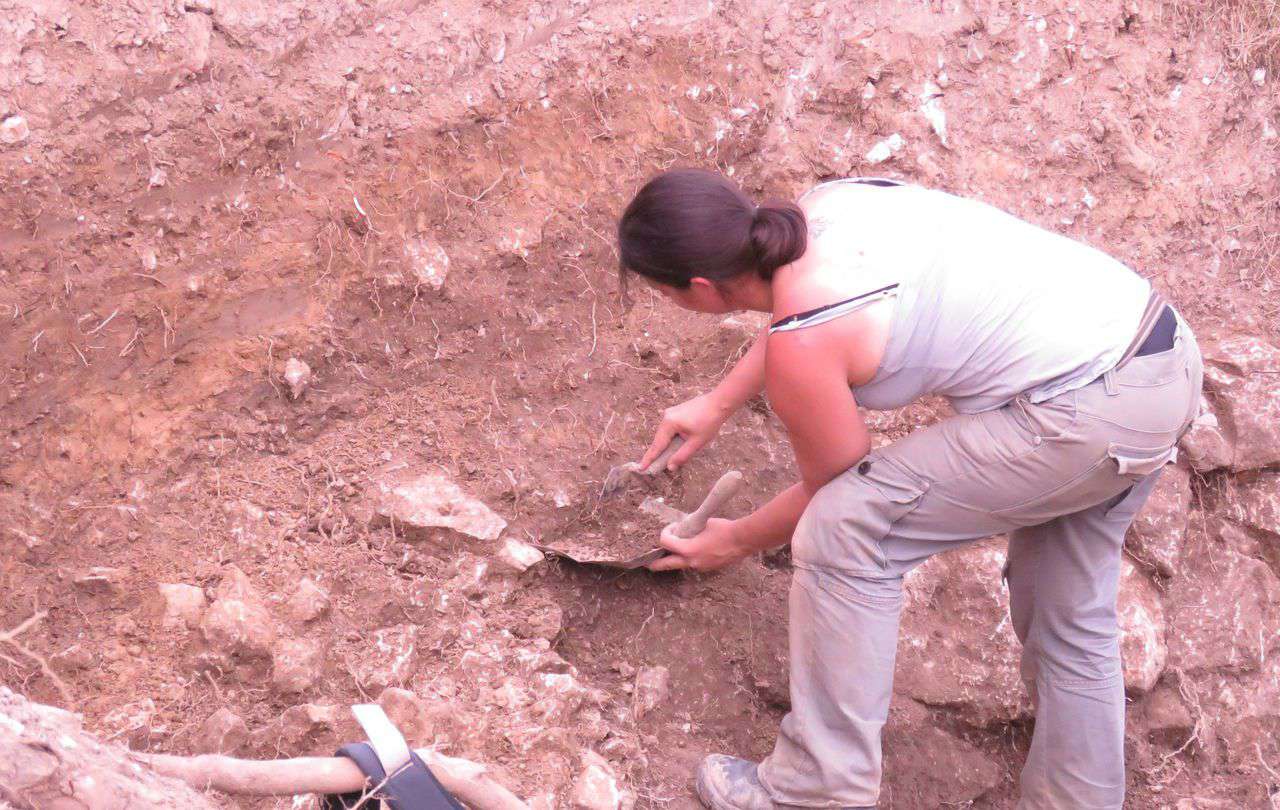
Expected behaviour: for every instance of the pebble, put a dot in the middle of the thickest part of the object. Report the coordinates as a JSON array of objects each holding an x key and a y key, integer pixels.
[
  {"x": 596, "y": 788},
  {"x": 428, "y": 261},
  {"x": 408, "y": 712},
  {"x": 101, "y": 580},
  {"x": 235, "y": 584},
  {"x": 389, "y": 658},
  {"x": 749, "y": 324},
  {"x": 236, "y": 627},
  {"x": 298, "y": 375},
  {"x": 1259, "y": 77},
  {"x": 224, "y": 732},
  {"x": 78, "y": 657},
  {"x": 885, "y": 149},
  {"x": 14, "y": 130},
  {"x": 931, "y": 109},
  {"x": 518, "y": 555},
  {"x": 624, "y": 669},
  {"x": 295, "y": 665},
  {"x": 652, "y": 686},
  {"x": 309, "y": 601}
]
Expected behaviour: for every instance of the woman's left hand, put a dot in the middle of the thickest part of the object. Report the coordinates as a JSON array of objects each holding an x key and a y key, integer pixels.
[{"x": 715, "y": 547}]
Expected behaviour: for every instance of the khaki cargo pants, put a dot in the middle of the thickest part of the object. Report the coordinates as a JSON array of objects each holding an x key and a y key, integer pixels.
[{"x": 1064, "y": 479}]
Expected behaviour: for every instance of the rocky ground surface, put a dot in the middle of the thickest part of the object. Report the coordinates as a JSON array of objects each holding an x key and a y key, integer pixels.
[{"x": 311, "y": 332}]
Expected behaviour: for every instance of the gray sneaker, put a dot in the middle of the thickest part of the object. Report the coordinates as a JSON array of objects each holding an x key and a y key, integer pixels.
[{"x": 729, "y": 783}]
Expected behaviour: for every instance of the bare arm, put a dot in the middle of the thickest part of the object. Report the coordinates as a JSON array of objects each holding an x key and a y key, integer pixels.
[
  {"x": 699, "y": 419},
  {"x": 809, "y": 390}
]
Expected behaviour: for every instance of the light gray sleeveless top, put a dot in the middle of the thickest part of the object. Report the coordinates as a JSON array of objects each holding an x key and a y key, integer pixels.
[{"x": 987, "y": 306}]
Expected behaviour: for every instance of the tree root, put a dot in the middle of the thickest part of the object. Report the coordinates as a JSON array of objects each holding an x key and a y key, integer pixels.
[{"x": 10, "y": 637}]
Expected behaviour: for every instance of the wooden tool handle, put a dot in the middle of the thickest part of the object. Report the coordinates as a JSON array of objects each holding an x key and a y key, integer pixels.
[
  {"x": 720, "y": 494},
  {"x": 660, "y": 463},
  {"x": 469, "y": 781}
]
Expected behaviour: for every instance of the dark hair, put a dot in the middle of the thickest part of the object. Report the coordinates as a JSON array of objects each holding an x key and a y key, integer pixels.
[{"x": 690, "y": 222}]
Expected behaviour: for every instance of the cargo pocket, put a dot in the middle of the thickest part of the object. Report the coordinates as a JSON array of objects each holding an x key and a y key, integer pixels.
[
  {"x": 898, "y": 485},
  {"x": 844, "y": 524},
  {"x": 1136, "y": 463}
]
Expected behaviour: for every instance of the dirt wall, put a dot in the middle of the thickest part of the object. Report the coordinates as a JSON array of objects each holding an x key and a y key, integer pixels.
[{"x": 417, "y": 200}]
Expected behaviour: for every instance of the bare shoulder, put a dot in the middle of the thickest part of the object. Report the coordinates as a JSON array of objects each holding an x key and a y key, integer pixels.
[
  {"x": 802, "y": 286},
  {"x": 809, "y": 281}
]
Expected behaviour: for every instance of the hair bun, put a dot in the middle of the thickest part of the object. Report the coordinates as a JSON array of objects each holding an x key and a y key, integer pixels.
[{"x": 778, "y": 236}]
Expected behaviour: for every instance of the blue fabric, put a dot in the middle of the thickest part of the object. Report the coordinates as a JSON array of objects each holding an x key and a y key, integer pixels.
[
  {"x": 414, "y": 787},
  {"x": 1162, "y": 334}
]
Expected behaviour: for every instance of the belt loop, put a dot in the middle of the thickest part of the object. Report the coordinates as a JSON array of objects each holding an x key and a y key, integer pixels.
[{"x": 1109, "y": 382}]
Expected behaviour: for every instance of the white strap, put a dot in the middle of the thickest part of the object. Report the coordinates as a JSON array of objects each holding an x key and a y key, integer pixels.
[{"x": 384, "y": 738}]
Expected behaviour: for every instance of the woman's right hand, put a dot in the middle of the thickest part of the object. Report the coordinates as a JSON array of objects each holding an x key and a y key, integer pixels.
[{"x": 697, "y": 420}]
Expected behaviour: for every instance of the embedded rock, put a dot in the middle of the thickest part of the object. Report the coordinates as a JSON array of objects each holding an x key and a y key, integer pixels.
[
  {"x": 236, "y": 585},
  {"x": 183, "y": 605},
  {"x": 934, "y": 767},
  {"x": 1158, "y": 533},
  {"x": 1242, "y": 384},
  {"x": 433, "y": 501},
  {"x": 957, "y": 646},
  {"x": 1245, "y": 716},
  {"x": 518, "y": 555},
  {"x": 224, "y": 732},
  {"x": 651, "y": 689},
  {"x": 408, "y": 712},
  {"x": 885, "y": 149},
  {"x": 48, "y": 761},
  {"x": 309, "y": 601},
  {"x": 1257, "y": 505},
  {"x": 560, "y": 697},
  {"x": 237, "y": 628},
  {"x": 1210, "y": 632},
  {"x": 596, "y": 787},
  {"x": 1142, "y": 630},
  {"x": 390, "y": 658},
  {"x": 1206, "y": 445},
  {"x": 428, "y": 262},
  {"x": 1165, "y": 718},
  {"x": 542, "y": 619},
  {"x": 295, "y": 665},
  {"x": 14, "y": 130},
  {"x": 299, "y": 726}
]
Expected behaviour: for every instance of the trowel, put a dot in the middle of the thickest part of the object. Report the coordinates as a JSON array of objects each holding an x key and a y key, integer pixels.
[
  {"x": 620, "y": 474},
  {"x": 681, "y": 524}
]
